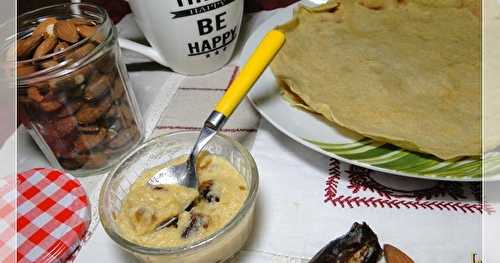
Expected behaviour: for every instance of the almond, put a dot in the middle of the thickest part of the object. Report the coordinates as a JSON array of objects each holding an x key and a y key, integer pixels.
[
  {"x": 79, "y": 21},
  {"x": 24, "y": 70},
  {"x": 49, "y": 64},
  {"x": 394, "y": 255},
  {"x": 81, "y": 52},
  {"x": 60, "y": 46},
  {"x": 86, "y": 31},
  {"x": 45, "y": 47},
  {"x": 26, "y": 46},
  {"x": 66, "y": 31},
  {"x": 46, "y": 27},
  {"x": 97, "y": 87}
]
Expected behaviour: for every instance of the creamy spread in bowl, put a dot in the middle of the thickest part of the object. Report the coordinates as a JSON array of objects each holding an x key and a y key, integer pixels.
[
  {"x": 221, "y": 193},
  {"x": 214, "y": 227}
]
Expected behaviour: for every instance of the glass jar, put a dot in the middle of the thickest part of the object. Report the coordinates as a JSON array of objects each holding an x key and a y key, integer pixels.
[
  {"x": 220, "y": 246},
  {"x": 76, "y": 100}
]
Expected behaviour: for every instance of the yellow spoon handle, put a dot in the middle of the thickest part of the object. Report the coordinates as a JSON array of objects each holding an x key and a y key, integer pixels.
[{"x": 254, "y": 67}]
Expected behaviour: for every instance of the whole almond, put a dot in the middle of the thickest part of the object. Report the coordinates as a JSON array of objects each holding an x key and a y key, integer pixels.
[
  {"x": 66, "y": 31},
  {"x": 61, "y": 46},
  {"x": 24, "y": 70},
  {"x": 394, "y": 255},
  {"x": 26, "y": 46},
  {"x": 80, "y": 21},
  {"x": 45, "y": 28},
  {"x": 81, "y": 52},
  {"x": 86, "y": 31},
  {"x": 49, "y": 64},
  {"x": 45, "y": 47}
]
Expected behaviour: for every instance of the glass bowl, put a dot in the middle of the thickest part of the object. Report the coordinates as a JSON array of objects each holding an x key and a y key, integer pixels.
[{"x": 218, "y": 247}]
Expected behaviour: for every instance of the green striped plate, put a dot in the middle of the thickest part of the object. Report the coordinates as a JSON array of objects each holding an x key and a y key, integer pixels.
[{"x": 368, "y": 152}]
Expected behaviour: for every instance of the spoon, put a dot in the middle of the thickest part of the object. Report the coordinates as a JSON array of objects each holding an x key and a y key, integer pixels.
[{"x": 185, "y": 173}]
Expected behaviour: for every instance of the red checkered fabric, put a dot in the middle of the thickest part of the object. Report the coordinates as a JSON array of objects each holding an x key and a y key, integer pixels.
[
  {"x": 53, "y": 215},
  {"x": 7, "y": 220}
]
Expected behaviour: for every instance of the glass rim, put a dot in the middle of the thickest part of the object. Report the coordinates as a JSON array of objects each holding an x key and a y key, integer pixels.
[
  {"x": 244, "y": 210},
  {"x": 102, "y": 14},
  {"x": 64, "y": 67}
]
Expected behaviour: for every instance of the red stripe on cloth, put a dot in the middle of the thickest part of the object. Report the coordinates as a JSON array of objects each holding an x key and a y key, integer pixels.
[{"x": 190, "y": 128}]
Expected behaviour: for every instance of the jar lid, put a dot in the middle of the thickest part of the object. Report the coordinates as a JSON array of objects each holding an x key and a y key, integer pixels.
[{"x": 53, "y": 215}]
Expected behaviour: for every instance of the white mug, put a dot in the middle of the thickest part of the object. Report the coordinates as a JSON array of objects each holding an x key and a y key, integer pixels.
[{"x": 192, "y": 37}]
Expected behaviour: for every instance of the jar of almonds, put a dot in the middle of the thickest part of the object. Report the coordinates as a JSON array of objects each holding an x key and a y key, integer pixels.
[{"x": 73, "y": 90}]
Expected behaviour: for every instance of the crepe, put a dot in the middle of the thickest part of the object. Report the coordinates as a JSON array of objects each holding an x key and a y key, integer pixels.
[{"x": 403, "y": 72}]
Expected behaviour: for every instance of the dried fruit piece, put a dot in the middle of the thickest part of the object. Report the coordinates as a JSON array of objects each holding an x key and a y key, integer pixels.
[
  {"x": 69, "y": 108},
  {"x": 205, "y": 190},
  {"x": 360, "y": 244},
  {"x": 45, "y": 47},
  {"x": 26, "y": 46},
  {"x": 124, "y": 137},
  {"x": 46, "y": 27},
  {"x": 97, "y": 87},
  {"x": 394, "y": 255},
  {"x": 89, "y": 141},
  {"x": 66, "y": 31},
  {"x": 117, "y": 90},
  {"x": 90, "y": 112},
  {"x": 196, "y": 223},
  {"x": 25, "y": 70},
  {"x": 96, "y": 160},
  {"x": 86, "y": 30},
  {"x": 60, "y": 46}
]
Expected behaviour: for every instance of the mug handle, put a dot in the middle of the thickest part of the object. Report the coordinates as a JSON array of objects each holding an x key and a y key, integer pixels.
[{"x": 142, "y": 49}]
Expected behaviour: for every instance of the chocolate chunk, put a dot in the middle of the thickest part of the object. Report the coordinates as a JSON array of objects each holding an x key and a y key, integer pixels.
[
  {"x": 360, "y": 244},
  {"x": 89, "y": 141},
  {"x": 90, "y": 112}
]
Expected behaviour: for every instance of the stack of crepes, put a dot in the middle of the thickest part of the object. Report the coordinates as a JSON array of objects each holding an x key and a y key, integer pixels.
[{"x": 406, "y": 72}]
